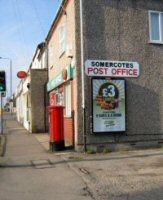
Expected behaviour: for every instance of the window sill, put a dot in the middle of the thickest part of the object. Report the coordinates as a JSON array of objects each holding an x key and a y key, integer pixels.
[
  {"x": 51, "y": 67},
  {"x": 155, "y": 42},
  {"x": 61, "y": 54},
  {"x": 67, "y": 116}
]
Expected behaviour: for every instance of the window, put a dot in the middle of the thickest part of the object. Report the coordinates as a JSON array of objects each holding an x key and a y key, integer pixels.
[
  {"x": 50, "y": 56},
  {"x": 59, "y": 99},
  {"x": 156, "y": 26},
  {"x": 67, "y": 99},
  {"x": 62, "y": 38}
]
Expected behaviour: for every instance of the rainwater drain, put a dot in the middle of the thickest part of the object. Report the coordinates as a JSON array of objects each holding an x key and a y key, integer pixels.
[{"x": 42, "y": 164}]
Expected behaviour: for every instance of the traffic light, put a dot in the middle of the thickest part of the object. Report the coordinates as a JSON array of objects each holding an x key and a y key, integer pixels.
[{"x": 2, "y": 81}]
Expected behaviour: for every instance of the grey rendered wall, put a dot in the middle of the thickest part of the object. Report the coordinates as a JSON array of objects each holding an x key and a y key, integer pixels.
[
  {"x": 39, "y": 100},
  {"x": 79, "y": 110},
  {"x": 119, "y": 30}
]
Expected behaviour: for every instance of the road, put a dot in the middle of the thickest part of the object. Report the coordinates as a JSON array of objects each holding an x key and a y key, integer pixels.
[
  {"x": 29, "y": 172},
  {"x": 136, "y": 175}
]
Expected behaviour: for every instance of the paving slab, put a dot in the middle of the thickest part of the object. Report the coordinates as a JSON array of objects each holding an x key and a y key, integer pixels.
[
  {"x": 30, "y": 172},
  {"x": 43, "y": 139}
]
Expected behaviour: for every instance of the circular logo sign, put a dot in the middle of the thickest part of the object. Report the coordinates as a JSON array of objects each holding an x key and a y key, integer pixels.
[
  {"x": 64, "y": 74},
  {"x": 21, "y": 74}
]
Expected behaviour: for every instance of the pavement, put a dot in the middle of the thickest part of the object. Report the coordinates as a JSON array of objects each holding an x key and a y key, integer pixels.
[
  {"x": 29, "y": 171},
  {"x": 43, "y": 139}
]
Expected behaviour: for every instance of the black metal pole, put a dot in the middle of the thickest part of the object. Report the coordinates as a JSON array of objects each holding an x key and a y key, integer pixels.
[
  {"x": 10, "y": 78},
  {"x": 84, "y": 131},
  {"x": 11, "y": 86},
  {"x": 1, "y": 116}
]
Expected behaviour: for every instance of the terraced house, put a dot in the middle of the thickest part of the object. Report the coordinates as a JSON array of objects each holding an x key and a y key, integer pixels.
[
  {"x": 105, "y": 66},
  {"x": 112, "y": 54}
]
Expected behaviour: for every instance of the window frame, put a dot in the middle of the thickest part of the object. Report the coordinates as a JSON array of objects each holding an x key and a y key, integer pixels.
[
  {"x": 160, "y": 41},
  {"x": 62, "y": 39},
  {"x": 51, "y": 56},
  {"x": 68, "y": 107}
]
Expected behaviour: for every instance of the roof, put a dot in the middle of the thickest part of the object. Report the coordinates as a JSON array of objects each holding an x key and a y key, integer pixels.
[
  {"x": 42, "y": 45},
  {"x": 56, "y": 18}
]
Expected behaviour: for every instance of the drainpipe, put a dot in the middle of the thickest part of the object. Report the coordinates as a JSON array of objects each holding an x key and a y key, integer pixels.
[{"x": 83, "y": 75}]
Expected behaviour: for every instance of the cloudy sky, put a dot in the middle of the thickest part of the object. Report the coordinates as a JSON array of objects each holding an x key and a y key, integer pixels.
[{"x": 23, "y": 25}]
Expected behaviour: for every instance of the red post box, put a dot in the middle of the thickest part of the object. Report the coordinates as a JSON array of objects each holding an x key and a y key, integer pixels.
[{"x": 56, "y": 128}]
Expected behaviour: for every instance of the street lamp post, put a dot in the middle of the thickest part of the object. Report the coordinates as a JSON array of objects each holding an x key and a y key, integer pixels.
[{"x": 10, "y": 73}]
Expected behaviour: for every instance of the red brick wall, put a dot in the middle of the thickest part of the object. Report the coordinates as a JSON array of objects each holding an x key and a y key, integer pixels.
[
  {"x": 68, "y": 131},
  {"x": 69, "y": 124}
]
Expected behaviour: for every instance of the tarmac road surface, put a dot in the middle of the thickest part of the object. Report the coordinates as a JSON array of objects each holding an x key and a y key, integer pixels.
[{"x": 29, "y": 172}]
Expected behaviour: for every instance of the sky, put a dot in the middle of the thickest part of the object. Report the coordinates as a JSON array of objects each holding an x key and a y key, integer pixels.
[{"x": 23, "y": 25}]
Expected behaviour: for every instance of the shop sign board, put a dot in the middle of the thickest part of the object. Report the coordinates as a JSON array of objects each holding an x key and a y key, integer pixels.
[
  {"x": 59, "y": 79},
  {"x": 55, "y": 82},
  {"x": 108, "y": 68},
  {"x": 108, "y": 105}
]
